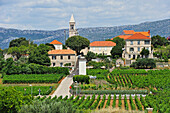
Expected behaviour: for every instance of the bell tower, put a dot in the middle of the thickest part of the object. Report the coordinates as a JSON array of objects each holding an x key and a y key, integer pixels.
[{"x": 72, "y": 27}]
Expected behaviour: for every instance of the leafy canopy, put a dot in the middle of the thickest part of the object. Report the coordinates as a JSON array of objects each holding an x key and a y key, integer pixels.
[
  {"x": 77, "y": 43},
  {"x": 158, "y": 41},
  {"x": 39, "y": 55},
  {"x": 90, "y": 55}
]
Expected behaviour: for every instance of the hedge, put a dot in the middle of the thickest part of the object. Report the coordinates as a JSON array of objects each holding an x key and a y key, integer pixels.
[
  {"x": 114, "y": 92},
  {"x": 32, "y": 78},
  {"x": 36, "y": 69},
  {"x": 81, "y": 78}
]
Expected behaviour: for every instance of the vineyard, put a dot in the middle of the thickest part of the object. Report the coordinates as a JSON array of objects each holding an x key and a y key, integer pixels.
[
  {"x": 99, "y": 102},
  {"x": 32, "y": 78}
]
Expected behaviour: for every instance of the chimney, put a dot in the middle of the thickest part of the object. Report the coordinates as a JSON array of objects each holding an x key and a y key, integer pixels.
[{"x": 149, "y": 32}]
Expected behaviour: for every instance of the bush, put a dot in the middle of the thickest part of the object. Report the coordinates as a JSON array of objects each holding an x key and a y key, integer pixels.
[
  {"x": 144, "y": 63},
  {"x": 81, "y": 78},
  {"x": 36, "y": 69},
  {"x": 48, "y": 107}
]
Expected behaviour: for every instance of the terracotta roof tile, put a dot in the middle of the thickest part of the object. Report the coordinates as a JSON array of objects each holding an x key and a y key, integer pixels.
[
  {"x": 144, "y": 33},
  {"x": 55, "y": 42},
  {"x": 128, "y": 32},
  {"x": 123, "y": 36},
  {"x": 103, "y": 43},
  {"x": 138, "y": 36},
  {"x": 63, "y": 51}
]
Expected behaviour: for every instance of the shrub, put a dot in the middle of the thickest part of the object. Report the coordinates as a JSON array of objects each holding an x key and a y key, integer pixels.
[{"x": 81, "y": 78}]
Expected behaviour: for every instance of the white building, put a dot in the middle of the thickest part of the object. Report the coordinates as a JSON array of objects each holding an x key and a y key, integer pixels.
[
  {"x": 102, "y": 47},
  {"x": 57, "y": 45}
]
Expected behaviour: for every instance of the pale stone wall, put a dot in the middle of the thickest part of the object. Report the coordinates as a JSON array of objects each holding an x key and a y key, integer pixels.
[
  {"x": 58, "y": 61},
  {"x": 98, "y": 50},
  {"x": 84, "y": 51},
  {"x": 82, "y": 66},
  {"x": 58, "y": 46},
  {"x": 137, "y": 48}
]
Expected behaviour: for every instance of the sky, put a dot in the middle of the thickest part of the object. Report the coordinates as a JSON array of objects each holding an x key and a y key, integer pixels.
[{"x": 55, "y": 14}]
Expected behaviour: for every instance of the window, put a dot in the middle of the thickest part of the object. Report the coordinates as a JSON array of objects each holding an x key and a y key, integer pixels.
[
  {"x": 147, "y": 41},
  {"x": 129, "y": 56},
  {"x": 53, "y": 64},
  {"x": 53, "y": 57},
  {"x": 61, "y": 57},
  {"x": 105, "y": 48},
  {"x": 147, "y": 48},
  {"x": 131, "y": 42},
  {"x": 99, "y": 48},
  {"x": 138, "y": 42},
  {"x": 71, "y": 27},
  {"x": 68, "y": 56},
  {"x": 131, "y": 49},
  {"x": 93, "y": 48},
  {"x": 138, "y": 48}
]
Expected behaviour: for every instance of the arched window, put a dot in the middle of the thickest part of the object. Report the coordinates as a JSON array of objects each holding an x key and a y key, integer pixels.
[{"x": 131, "y": 49}]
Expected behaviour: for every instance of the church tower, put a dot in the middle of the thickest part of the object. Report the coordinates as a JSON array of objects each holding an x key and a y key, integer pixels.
[{"x": 72, "y": 27}]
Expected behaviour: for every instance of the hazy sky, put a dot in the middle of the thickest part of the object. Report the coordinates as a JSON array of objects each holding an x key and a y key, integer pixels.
[{"x": 55, "y": 14}]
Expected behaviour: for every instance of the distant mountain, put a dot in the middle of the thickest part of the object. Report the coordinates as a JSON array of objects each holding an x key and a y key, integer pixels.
[{"x": 161, "y": 28}]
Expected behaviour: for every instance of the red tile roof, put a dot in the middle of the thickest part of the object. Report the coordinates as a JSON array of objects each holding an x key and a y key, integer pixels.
[
  {"x": 63, "y": 51},
  {"x": 138, "y": 36},
  {"x": 103, "y": 43},
  {"x": 123, "y": 36},
  {"x": 128, "y": 32},
  {"x": 55, "y": 42}
]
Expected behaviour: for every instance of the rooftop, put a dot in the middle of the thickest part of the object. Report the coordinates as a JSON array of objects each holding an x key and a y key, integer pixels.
[
  {"x": 103, "y": 43},
  {"x": 55, "y": 42},
  {"x": 63, "y": 51},
  {"x": 123, "y": 36},
  {"x": 138, "y": 36}
]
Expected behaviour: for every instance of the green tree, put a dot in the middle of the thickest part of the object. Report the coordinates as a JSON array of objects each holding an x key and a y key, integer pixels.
[
  {"x": 18, "y": 51},
  {"x": 144, "y": 63},
  {"x": 90, "y": 55},
  {"x": 119, "y": 41},
  {"x": 158, "y": 41},
  {"x": 116, "y": 51},
  {"x": 50, "y": 45},
  {"x": 77, "y": 43},
  {"x": 39, "y": 55},
  {"x": 12, "y": 100},
  {"x": 144, "y": 52},
  {"x": 18, "y": 42},
  {"x": 2, "y": 63}
]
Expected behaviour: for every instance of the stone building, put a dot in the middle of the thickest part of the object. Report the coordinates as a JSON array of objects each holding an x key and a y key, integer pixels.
[
  {"x": 58, "y": 45},
  {"x": 102, "y": 47},
  {"x": 61, "y": 57}
]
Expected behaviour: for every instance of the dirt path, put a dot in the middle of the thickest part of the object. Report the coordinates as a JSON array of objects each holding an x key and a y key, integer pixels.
[
  {"x": 117, "y": 102},
  {"x": 105, "y": 104},
  {"x": 129, "y": 104},
  {"x": 135, "y": 104},
  {"x": 123, "y": 104},
  {"x": 142, "y": 105},
  {"x": 111, "y": 103},
  {"x": 98, "y": 104}
]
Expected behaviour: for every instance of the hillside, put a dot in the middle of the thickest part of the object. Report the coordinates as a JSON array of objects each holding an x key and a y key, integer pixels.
[{"x": 161, "y": 27}]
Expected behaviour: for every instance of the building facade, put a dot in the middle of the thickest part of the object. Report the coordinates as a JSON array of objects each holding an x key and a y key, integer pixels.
[
  {"x": 102, "y": 47},
  {"x": 61, "y": 57},
  {"x": 58, "y": 45}
]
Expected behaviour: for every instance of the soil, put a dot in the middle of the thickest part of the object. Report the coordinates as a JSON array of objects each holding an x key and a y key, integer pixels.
[
  {"x": 129, "y": 104},
  {"x": 123, "y": 104},
  {"x": 117, "y": 102},
  {"x": 142, "y": 105},
  {"x": 0, "y": 80},
  {"x": 98, "y": 104},
  {"x": 135, "y": 104},
  {"x": 111, "y": 103},
  {"x": 105, "y": 104}
]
